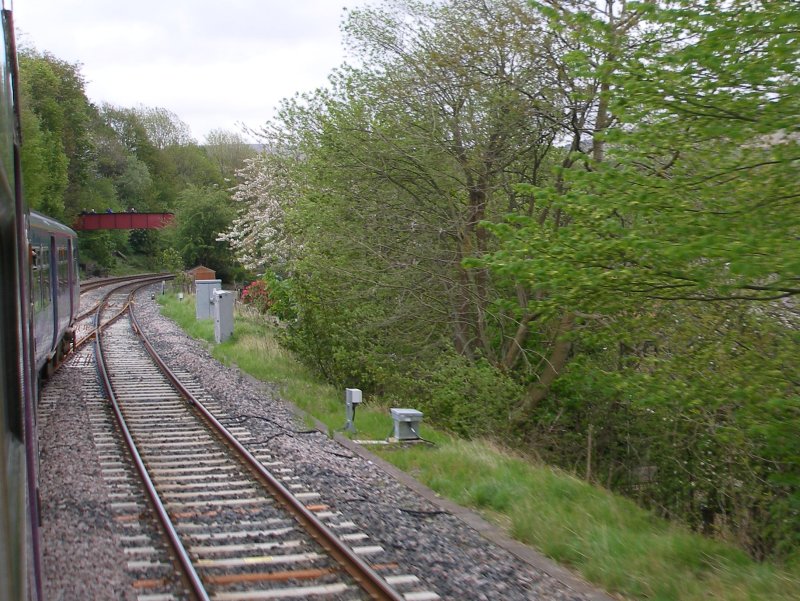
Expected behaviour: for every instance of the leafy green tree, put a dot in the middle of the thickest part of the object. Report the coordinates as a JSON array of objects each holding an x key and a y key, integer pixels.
[
  {"x": 134, "y": 185},
  {"x": 669, "y": 210},
  {"x": 203, "y": 213},
  {"x": 54, "y": 90},
  {"x": 190, "y": 165},
  {"x": 44, "y": 166},
  {"x": 410, "y": 151},
  {"x": 228, "y": 150},
  {"x": 676, "y": 241},
  {"x": 171, "y": 260},
  {"x": 163, "y": 127},
  {"x": 45, "y": 162},
  {"x": 132, "y": 133}
]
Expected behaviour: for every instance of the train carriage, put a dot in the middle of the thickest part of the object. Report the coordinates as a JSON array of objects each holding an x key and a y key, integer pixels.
[{"x": 54, "y": 288}]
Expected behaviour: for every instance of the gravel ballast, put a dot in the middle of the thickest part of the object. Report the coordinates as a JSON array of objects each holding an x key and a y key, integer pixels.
[{"x": 450, "y": 549}]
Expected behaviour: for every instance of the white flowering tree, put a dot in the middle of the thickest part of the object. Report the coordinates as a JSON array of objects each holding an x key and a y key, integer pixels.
[{"x": 265, "y": 190}]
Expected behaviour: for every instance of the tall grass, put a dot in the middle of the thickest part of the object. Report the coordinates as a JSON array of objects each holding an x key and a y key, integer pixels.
[{"x": 608, "y": 539}]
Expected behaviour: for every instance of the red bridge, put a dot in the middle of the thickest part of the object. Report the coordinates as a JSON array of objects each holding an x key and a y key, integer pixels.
[{"x": 123, "y": 221}]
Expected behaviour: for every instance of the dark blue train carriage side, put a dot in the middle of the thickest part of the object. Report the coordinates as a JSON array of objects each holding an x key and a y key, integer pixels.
[{"x": 54, "y": 288}]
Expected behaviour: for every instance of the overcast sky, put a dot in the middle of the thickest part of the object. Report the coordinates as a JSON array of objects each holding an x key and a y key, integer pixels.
[{"x": 214, "y": 64}]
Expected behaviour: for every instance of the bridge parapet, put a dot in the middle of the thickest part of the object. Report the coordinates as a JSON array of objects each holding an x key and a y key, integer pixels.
[{"x": 123, "y": 221}]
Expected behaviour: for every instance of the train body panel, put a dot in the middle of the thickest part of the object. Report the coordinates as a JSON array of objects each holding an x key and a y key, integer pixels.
[
  {"x": 55, "y": 291},
  {"x": 13, "y": 477},
  {"x": 19, "y": 561}
]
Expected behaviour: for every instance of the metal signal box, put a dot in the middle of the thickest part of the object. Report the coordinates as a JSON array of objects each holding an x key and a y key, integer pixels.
[
  {"x": 352, "y": 397},
  {"x": 204, "y": 290},
  {"x": 222, "y": 303},
  {"x": 406, "y": 423}
]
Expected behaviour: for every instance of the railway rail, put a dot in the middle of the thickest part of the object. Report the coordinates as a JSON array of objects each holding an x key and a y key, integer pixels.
[
  {"x": 238, "y": 524},
  {"x": 114, "y": 284}
]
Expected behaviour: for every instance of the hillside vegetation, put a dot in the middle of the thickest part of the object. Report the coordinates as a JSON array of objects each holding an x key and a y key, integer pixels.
[
  {"x": 569, "y": 227},
  {"x": 606, "y": 538}
]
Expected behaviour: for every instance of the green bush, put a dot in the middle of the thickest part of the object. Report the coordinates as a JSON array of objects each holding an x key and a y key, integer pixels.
[{"x": 472, "y": 399}]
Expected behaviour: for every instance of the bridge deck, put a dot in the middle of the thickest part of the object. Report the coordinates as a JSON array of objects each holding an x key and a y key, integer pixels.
[{"x": 122, "y": 221}]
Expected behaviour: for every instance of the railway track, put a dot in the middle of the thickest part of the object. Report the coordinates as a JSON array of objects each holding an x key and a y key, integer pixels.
[
  {"x": 239, "y": 525},
  {"x": 93, "y": 295}
]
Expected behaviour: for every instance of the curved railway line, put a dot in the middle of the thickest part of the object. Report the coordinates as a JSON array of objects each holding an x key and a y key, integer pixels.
[{"x": 238, "y": 525}]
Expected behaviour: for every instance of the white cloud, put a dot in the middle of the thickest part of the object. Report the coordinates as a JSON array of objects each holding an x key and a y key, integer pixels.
[{"x": 213, "y": 64}]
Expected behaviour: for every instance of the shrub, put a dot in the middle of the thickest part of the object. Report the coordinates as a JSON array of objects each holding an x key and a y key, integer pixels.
[{"x": 257, "y": 294}]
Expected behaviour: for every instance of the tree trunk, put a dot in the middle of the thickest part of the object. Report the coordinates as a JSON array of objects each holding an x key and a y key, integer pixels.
[
  {"x": 556, "y": 361},
  {"x": 462, "y": 317},
  {"x": 515, "y": 346}
]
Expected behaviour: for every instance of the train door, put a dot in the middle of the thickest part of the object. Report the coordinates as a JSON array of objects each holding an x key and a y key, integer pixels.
[
  {"x": 54, "y": 296},
  {"x": 64, "y": 298},
  {"x": 72, "y": 278},
  {"x": 42, "y": 297}
]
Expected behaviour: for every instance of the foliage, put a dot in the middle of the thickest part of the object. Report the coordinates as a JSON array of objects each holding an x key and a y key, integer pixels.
[
  {"x": 611, "y": 542},
  {"x": 692, "y": 199},
  {"x": 171, "y": 261},
  {"x": 472, "y": 400},
  {"x": 78, "y": 157},
  {"x": 257, "y": 235},
  {"x": 228, "y": 151},
  {"x": 257, "y": 294},
  {"x": 98, "y": 246},
  {"x": 201, "y": 215},
  {"x": 163, "y": 127},
  {"x": 691, "y": 422},
  {"x": 281, "y": 291},
  {"x": 56, "y": 113},
  {"x": 571, "y": 205}
]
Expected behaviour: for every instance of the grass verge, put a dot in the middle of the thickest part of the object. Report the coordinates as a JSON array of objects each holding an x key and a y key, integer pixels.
[{"x": 606, "y": 538}]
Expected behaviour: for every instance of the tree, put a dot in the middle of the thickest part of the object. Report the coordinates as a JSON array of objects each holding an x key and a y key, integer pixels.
[
  {"x": 668, "y": 211},
  {"x": 591, "y": 201},
  {"x": 44, "y": 166},
  {"x": 676, "y": 241},
  {"x": 134, "y": 184},
  {"x": 202, "y": 214},
  {"x": 53, "y": 91},
  {"x": 163, "y": 127},
  {"x": 228, "y": 151},
  {"x": 412, "y": 152}
]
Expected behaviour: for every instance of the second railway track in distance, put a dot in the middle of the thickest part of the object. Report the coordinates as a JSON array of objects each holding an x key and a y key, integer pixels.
[{"x": 237, "y": 530}]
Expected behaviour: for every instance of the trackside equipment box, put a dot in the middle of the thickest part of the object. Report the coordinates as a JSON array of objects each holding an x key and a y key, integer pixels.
[
  {"x": 406, "y": 423},
  {"x": 204, "y": 290},
  {"x": 222, "y": 311}
]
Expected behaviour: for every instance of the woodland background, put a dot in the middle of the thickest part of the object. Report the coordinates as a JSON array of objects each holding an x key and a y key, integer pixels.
[{"x": 568, "y": 226}]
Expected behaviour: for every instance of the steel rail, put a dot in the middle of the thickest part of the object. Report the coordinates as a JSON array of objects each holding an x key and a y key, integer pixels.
[
  {"x": 91, "y": 285},
  {"x": 126, "y": 281},
  {"x": 78, "y": 343},
  {"x": 189, "y": 573},
  {"x": 361, "y": 572}
]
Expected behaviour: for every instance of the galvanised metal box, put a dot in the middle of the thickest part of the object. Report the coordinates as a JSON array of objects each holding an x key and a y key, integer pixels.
[
  {"x": 204, "y": 290},
  {"x": 406, "y": 423},
  {"x": 222, "y": 303}
]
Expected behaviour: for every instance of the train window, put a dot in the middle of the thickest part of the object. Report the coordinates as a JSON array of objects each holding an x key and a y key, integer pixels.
[
  {"x": 44, "y": 273},
  {"x": 36, "y": 277},
  {"x": 63, "y": 267}
]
